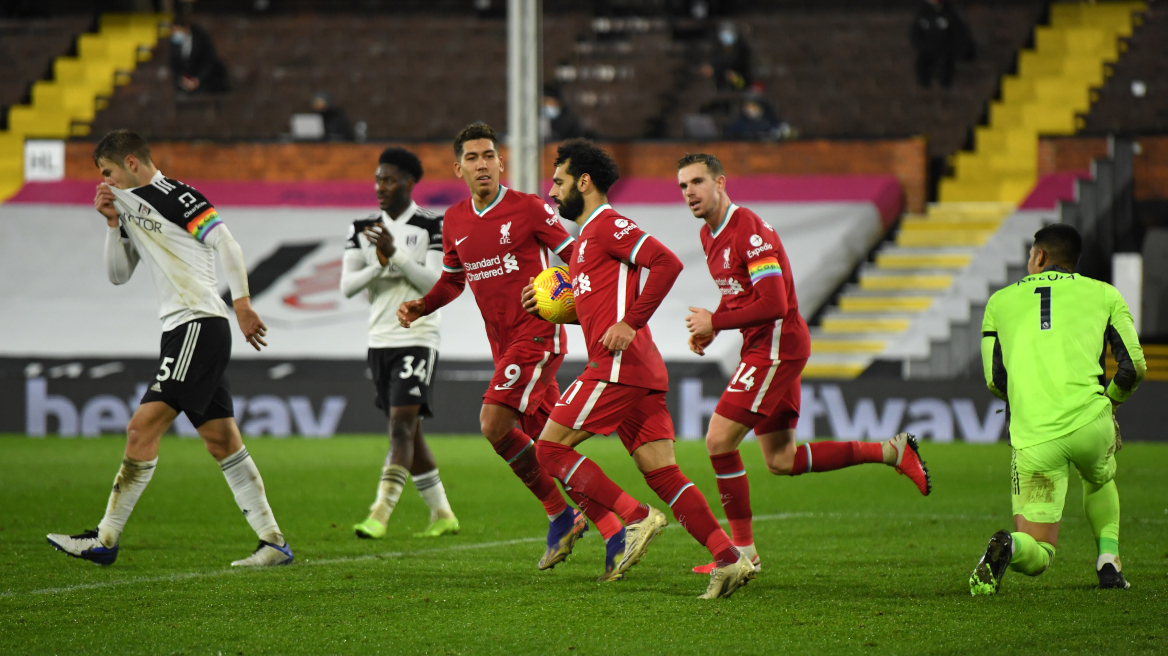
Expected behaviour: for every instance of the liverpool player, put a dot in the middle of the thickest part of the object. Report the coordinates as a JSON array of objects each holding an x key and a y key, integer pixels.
[
  {"x": 623, "y": 386},
  {"x": 748, "y": 263},
  {"x": 175, "y": 232},
  {"x": 394, "y": 256},
  {"x": 495, "y": 241}
]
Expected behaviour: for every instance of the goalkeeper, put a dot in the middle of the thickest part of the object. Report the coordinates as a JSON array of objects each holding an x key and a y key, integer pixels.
[{"x": 1041, "y": 347}]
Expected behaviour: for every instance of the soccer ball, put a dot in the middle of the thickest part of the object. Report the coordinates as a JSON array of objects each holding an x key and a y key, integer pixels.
[{"x": 553, "y": 295}]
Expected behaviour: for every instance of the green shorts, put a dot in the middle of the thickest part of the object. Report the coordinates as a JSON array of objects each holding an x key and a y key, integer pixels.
[{"x": 1039, "y": 472}]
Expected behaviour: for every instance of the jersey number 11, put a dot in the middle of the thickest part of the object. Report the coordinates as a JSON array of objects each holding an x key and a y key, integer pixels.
[{"x": 1043, "y": 307}]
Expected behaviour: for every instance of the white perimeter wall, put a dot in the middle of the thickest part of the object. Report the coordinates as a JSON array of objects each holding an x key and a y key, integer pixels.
[{"x": 55, "y": 299}]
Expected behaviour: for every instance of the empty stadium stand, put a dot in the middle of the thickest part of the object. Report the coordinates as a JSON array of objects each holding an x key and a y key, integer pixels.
[
  {"x": 1052, "y": 84},
  {"x": 1134, "y": 99}
]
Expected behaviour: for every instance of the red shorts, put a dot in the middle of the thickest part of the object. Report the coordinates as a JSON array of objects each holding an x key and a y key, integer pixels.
[
  {"x": 763, "y": 395},
  {"x": 637, "y": 414},
  {"x": 525, "y": 380}
]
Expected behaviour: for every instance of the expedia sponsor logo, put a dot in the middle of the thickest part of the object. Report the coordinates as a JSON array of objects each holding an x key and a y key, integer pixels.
[{"x": 761, "y": 249}]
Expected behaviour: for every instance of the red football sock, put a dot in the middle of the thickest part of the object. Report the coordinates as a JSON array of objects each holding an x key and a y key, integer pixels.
[
  {"x": 691, "y": 511},
  {"x": 582, "y": 475},
  {"x": 829, "y": 456},
  {"x": 735, "y": 491},
  {"x": 516, "y": 449},
  {"x": 605, "y": 520}
]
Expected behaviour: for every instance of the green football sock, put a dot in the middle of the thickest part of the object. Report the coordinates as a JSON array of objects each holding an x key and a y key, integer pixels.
[
  {"x": 1031, "y": 557},
  {"x": 1101, "y": 504}
]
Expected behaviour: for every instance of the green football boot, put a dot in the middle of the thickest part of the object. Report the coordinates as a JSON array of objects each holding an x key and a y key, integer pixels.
[
  {"x": 370, "y": 529},
  {"x": 440, "y": 527}
]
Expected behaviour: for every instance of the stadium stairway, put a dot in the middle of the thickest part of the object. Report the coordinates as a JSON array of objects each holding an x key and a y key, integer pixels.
[
  {"x": 65, "y": 106},
  {"x": 1054, "y": 83},
  {"x": 914, "y": 303}
]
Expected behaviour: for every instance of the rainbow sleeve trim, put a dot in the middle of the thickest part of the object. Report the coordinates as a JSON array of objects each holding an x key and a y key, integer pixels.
[
  {"x": 204, "y": 223},
  {"x": 764, "y": 268}
]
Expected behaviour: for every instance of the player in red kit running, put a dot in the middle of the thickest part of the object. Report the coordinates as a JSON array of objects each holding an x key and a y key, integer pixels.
[
  {"x": 496, "y": 240},
  {"x": 623, "y": 385},
  {"x": 750, "y": 267}
]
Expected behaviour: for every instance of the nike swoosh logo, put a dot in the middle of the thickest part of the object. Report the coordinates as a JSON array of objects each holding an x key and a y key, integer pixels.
[
  {"x": 502, "y": 387},
  {"x": 459, "y": 241}
]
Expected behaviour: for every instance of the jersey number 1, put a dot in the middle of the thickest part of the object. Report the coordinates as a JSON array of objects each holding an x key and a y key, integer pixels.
[{"x": 1043, "y": 307}]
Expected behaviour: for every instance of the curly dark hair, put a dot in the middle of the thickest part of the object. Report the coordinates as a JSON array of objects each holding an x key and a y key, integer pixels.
[
  {"x": 713, "y": 164},
  {"x": 404, "y": 160},
  {"x": 116, "y": 145},
  {"x": 583, "y": 156},
  {"x": 472, "y": 132}
]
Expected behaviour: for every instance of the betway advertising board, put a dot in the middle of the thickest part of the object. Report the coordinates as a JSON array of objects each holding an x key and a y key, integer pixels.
[{"x": 321, "y": 398}]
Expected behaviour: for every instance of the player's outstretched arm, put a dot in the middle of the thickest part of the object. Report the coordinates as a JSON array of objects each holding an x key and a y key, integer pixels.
[{"x": 1125, "y": 348}]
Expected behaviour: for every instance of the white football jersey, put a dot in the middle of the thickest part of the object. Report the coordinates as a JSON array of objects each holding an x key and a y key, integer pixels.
[
  {"x": 167, "y": 223},
  {"x": 415, "y": 233}
]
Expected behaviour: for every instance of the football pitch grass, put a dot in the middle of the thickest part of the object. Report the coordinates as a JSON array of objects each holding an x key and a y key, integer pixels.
[{"x": 853, "y": 561}]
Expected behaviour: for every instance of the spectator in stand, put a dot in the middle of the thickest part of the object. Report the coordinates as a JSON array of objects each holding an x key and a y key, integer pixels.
[
  {"x": 729, "y": 63},
  {"x": 557, "y": 121},
  {"x": 757, "y": 121},
  {"x": 940, "y": 37},
  {"x": 336, "y": 123},
  {"x": 193, "y": 63}
]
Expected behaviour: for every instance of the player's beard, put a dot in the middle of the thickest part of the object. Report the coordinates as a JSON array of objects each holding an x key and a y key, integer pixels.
[{"x": 572, "y": 206}]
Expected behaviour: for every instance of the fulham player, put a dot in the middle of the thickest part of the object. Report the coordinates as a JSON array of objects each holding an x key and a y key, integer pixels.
[
  {"x": 748, "y": 263},
  {"x": 394, "y": 256},
  {"x": 175, "y": 232},
  {"x": 495, "y": 241},
  {"x": 623, "y": 386}
]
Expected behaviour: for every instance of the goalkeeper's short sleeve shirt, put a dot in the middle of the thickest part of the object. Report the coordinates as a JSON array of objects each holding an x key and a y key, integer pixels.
[{"x": 1042, "y": 351}]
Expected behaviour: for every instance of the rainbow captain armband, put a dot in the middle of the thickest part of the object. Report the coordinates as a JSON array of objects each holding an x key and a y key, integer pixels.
[
  {"x": 204, "y": 223},
  {"x": 764, "y": 268}
]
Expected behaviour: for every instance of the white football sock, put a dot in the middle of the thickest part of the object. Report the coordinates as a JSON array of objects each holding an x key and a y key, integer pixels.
[
  {"x": 393, "y": 479},
  {"x": 430, "y": 487},
  {"x": 244, "y": 478},
  {"x": 129, "y": 484}
]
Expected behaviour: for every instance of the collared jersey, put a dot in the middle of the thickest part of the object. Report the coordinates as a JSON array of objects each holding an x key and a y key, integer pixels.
[
  {"x": 1042, "y": 349},
  {"x": 499, "y": 249},
  {"x": 606, "y": 281},
  {"x": 743, "y": 250},
  {"x": 415, "y": 233},
  {"x": 167, "y": 222}
]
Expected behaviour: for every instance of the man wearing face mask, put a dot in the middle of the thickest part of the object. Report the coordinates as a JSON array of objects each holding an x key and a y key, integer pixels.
[
  {"x": 557, "y": 121},
  {"x": 729, "y": 63},
  {"x": 193, "y": 62}
]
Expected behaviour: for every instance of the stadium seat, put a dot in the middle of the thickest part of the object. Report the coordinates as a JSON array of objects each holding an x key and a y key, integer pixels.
[{"x": 1052, "y": 87}]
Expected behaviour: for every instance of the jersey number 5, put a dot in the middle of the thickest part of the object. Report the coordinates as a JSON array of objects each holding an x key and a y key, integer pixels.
[{"x": 1043, "y": 307}]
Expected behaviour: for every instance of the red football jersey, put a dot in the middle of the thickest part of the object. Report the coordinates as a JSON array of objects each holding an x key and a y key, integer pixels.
[
  {"x": 606, "y": 275},
  {"x": 743, "y": 255},
  {"x": 497, "y": 250}
]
